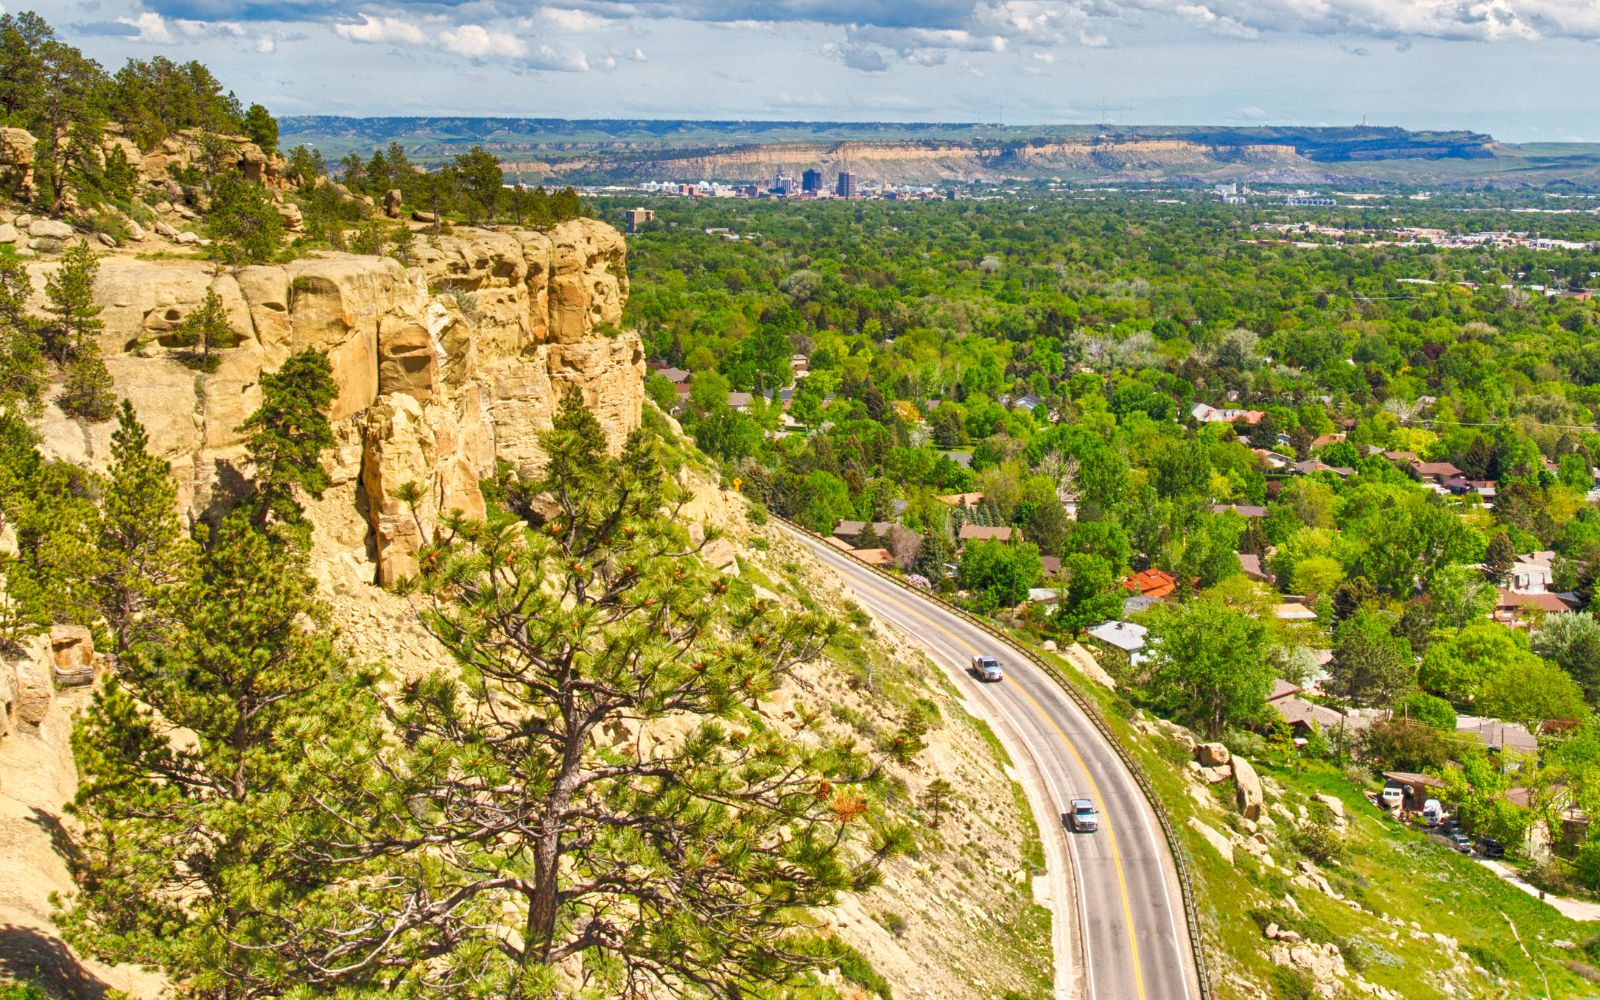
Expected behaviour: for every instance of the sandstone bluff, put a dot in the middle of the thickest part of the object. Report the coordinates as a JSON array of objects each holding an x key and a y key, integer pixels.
[{"x": 443, "y": 367}]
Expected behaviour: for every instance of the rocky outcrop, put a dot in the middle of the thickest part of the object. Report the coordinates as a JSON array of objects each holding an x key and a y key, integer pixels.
[
  {"x": 1247, "y": 789},
  {"x": 16, "y": 162},
  {"x": 442, "y": 367}
]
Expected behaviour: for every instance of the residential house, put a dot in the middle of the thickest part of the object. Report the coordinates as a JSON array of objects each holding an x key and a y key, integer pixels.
[
  {"x": 1272, "y": 459},
  {"x": 1051, "y": 565},
  {"x": 989, "y": 533},
  {"x": 1323, "y": 440},
  {"x": 1293, "y": 611},
  {"x": 1069, "y": 503},
  {"x": 1205, "y": 413},
  {"x": 1436, "y": 472},
  {"x": 677, "y": 376},
  {"x": 1043, "y": 595},
  {"x": 1533, "y": 573},
  {"x": 1502, "y": 739},
  {"x": 799, "y": 365},
  {"x": 1520, "y": 609},
  {"x": 1130, "y": 638},
  {"x": 962, "y": 499},
  {"x": 1027, "y": 402},
  {"x": 840, "y": 544},
  {"x": 1152, "y": 583},
  {"x": 1415, "y": 789},
  {"x": 740, "y": 401},
  {"x": 961, "y": 458},
  {"x": 874, "y": 557},
  {"x": 1251, "y": 564},
  {"x": 849, "y": 530},
  {"x": 1311, "y": 465},
  {"x": 1243, "y": 510},
  {"x": 1137, "y": 603}
]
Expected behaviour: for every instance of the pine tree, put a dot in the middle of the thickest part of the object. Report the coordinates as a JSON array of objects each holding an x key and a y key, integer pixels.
[
  {"x": 71, "y": 294},
  {"x": 1500, "y": 555},
  {"x": 287, "y": 436},
  {"x": 141, "y": 545},
  {"x": 204, "y": 329},
  {"x": 23, "y": 374},
  {"x": 936, "y": 799},
  {"x": 214, "y": 769},
  {"x": 660, "y": 865},
  {"x": 88, "y": 391}
]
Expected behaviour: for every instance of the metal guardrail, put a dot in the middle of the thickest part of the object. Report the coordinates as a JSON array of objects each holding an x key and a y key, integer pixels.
[{"x": 1180, "y": 854}]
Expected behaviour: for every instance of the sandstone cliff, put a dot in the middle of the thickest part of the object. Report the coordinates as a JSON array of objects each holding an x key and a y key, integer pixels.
[{"x": 443, "y": 367}]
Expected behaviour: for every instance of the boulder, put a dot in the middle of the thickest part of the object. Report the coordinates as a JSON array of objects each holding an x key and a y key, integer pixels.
[
  {"x": 9, "y": 233},
  {"x": 1334, "y": 803},
  {"x": 34, "y": 692},
  {"x": 188, "y": 239},
  {"x": 292, "y": 219},
  {"x": 50, "y": 229},
  {"x": 408, "y": 360},
  {"x": 165, "y": 229},
  {"x": 1215, "y": 775},
  {"x": 428, "y": 217},
  {"x": 72, "y": 649},
  {"x": 1212, "y": 836},
  {"x": 719, "y": 553},
  {"x": 136, "y": 232},
  {"x": 1212, "y": 754},
  {"x": 391, "y": 203},
  {"x": 107, "y": 240},
  {"x": 1247, "y": 785},
  {"x": 17, "y": 148}
]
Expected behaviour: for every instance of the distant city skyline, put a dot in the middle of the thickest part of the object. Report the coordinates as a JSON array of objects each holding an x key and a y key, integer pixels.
[{"x": 1522, "y": 70}]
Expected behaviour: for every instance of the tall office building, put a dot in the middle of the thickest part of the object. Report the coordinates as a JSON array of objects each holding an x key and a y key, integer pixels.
[
  {"x": 783, "y": 183},
  {"x": 811, "y": 182},
  {"x": 847, "y": 185}
]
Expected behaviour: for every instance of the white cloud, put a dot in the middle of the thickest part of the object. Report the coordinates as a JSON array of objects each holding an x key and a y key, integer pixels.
[
  {"x": 477, "y": 42},
  {"x": 569, "y": 61},
  {"x": 151, "y": 27},
  {"x": 571, "y": 20},
  {"x": 381, "y": 29},
  {"x": 266, "y": 46}
]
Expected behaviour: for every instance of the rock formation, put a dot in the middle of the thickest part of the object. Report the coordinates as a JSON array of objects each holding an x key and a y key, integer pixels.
[{"x": 442, "y": 367}]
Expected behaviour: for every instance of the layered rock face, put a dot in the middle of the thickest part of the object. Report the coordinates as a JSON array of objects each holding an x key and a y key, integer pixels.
[{"x": 442, "y": 367}]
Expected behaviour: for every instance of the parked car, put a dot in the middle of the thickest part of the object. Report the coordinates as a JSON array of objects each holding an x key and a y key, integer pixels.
[
  {"x": 1083, "y": 818},
  {"x": 987, "y": 668},
  {"x": 1432, "y": 812},
  {"x": 1462, "y": 842},
  {"x": 1491, "y": 848}
]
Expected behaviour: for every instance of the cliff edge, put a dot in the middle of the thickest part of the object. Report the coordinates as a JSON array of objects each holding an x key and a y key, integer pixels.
[{"x": 445, "y": 364}]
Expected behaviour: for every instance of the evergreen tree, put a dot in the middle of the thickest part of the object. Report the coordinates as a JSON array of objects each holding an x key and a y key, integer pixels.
[
  {"x": 482, "y": 182},
  {"x": 661, "y": 866},
  {"x": 261, "y": 128},
  {"x": 1498, "y": 558},
  {"x": 287, "y": 436},
  {"x": 88, "y": 392},
  {"x": 23, "y": 374},
  {"x": 936, "y": 799},
  {"x": 204, "y": 329},
  {"x": 1371, "y": 665},
  {"x": 214, "y": 772},
  {"x": 245, "y": 226},
  {"x": 142, "y": 549},
  {"x": 70, "y": 292}
]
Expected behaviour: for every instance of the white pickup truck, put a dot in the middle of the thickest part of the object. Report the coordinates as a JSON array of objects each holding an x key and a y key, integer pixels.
[
  {"x": 1083, "y": 818},
  {"x": 987, "y": 668}
]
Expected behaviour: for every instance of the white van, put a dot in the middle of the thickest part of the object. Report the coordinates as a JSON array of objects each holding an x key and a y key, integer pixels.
[
  {"x": 1392, "y": 798},
  {"x": 1433, "y": 812}
]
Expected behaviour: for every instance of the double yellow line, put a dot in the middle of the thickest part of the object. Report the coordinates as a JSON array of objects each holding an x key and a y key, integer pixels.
[{"x": 1116, "y": 854}]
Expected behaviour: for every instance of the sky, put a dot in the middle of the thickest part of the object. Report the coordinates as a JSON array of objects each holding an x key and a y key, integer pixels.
[{"x": 1522, "y": 70}]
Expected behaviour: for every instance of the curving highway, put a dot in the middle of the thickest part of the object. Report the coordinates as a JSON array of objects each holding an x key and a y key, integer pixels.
[{"x": 1128, "y": 940}]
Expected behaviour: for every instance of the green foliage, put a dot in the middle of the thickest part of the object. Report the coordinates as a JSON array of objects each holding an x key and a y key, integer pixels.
[
  {"x": 261, "y": 128},
  {"x": 204, "y": 330},
  {"x": 287, "y": 436},
  {"x": 1091, "y": 594},
  {"x": 1207, "y": 667},
  {"x": 24, "y": 374},
  {"x": 75, "y": 319},
  {"x": 482, "y": 183},
  {"x": 87, "y": 392},
  {"x": 210, "y": 857},
  {"x": 1456, "y": 667},
  {"x": 244, "y": 225},
  {"x": 999, "y": 574},
  {"x": 1402, "y": 745},
  {"x": 1531, "y": 690},
  {"x": 1426, "y": 709},
  {"x": 142, "y": 551},
  {"x": 589, "y": 620},
  {"x": 1371, "y": 665}
]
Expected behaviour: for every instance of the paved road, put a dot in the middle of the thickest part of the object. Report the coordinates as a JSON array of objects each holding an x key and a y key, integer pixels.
[{"x": 1130, "y": 942}]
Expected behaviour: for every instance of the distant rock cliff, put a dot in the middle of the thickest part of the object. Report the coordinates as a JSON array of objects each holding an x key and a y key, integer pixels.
[{"x": 443, "y": 368}]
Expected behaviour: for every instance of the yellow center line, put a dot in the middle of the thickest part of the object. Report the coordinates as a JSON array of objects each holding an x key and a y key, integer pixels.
[{"x": 1116, "y": 854}]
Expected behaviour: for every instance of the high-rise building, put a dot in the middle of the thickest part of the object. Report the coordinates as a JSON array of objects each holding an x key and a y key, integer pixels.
[
  {"x": 846, "y": 187},
  {"x": 811, "y": 182},
  {"x": 783, "y": 183}
]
